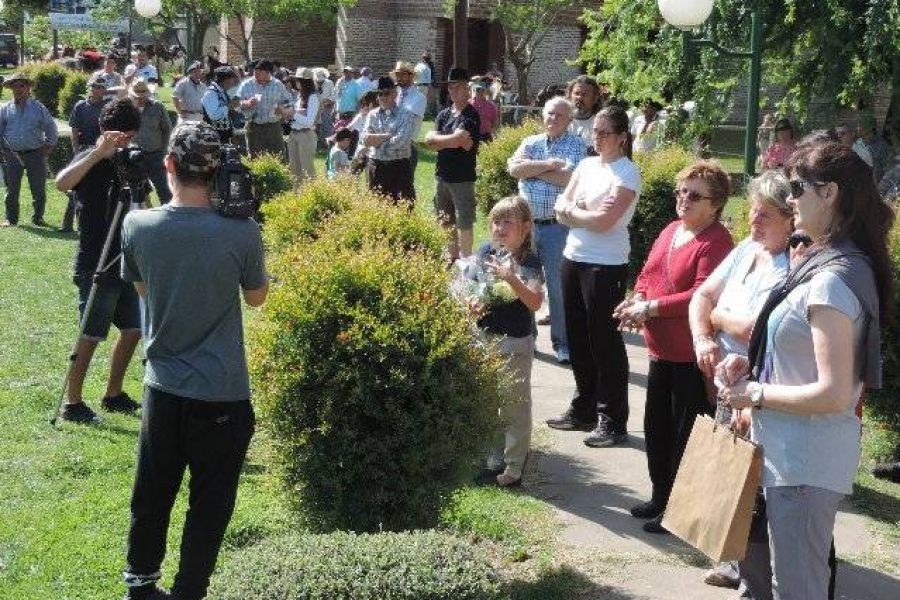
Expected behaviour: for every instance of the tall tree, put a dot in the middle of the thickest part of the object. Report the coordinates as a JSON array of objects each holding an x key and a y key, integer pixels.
[
  {"x": 837, "y": 49},
  {"x": 526, "y": 23}
]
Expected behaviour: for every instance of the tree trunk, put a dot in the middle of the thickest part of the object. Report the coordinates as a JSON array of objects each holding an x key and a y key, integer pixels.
[
  {"x": 202, "y": 22},
  {"x": 461, "y": 34}
]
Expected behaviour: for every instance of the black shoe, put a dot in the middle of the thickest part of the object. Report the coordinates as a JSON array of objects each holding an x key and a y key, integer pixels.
[
  {"x": 655, "y": 526},
  {"x": 646, "y": 510},
  {"x": 605, "y": 435},
  {"x": 79, "y": 413},
  {"x": 154, "y": 593},
  {"x": 66, "y": 229},
  {"x": 121, "y": 403},
  {"x": 889, "y": 471},
  {"x": 488, "y": 476},
  {"x": 39, "y": 222},
  {"x": 568, "y": 422}
]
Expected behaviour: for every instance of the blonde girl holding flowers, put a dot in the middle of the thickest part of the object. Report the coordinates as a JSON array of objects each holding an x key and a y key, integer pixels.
[{"x": 508, "y": 321}]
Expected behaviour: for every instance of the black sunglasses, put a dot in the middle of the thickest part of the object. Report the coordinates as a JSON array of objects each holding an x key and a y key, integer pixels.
[
  {"x": 799, "y": 238},
  {"x": 798, "y": 186},
  {"x": 691, "y": 195}
]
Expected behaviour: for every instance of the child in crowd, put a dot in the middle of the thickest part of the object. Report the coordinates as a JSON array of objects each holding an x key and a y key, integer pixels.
[
  {"x": 338, "y": 161},
  {"x": 510, "y": 324}
]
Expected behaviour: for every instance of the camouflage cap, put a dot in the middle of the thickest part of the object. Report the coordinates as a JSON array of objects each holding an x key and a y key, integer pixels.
[{"x": 196, "y": 146}]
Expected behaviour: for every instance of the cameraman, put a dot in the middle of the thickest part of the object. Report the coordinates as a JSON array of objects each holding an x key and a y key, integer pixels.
[
  {"x": 189, "y": 264},
  {"x": 92, "y": 177}
]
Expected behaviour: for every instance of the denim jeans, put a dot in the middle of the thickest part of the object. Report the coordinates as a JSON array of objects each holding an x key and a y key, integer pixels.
[{"x": 550, "y": 241}]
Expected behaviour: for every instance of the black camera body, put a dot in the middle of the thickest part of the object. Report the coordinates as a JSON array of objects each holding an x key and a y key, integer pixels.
[
  {"x": 131, "y": 166},
  {"x": 233, "y": 196}
]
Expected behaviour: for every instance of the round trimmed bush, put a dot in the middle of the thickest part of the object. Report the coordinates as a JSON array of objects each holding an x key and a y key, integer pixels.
[
  {"x": 376, "y": 396},
  {"x": 492, "y": 181},
  {"x": 346, "y": 566},
  {"x": 295, "y": 216},
  {"x": 270, "y": 176},
  {"x": 656, "y": 206},
  {"x": 72, "y": 91},
  {"x": 49, "y": 79}
]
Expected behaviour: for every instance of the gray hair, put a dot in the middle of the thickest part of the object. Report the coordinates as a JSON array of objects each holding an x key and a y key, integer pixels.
[
  {"x": 772, "y": 188},
  {"x": 559, "y": 101}
]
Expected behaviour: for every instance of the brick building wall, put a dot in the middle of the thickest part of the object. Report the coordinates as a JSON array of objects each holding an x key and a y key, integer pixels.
[{"x": 309, "y": 45}]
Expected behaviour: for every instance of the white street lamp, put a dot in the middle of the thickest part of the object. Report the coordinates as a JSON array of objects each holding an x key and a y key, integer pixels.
[
  {"x": 684, "y": 14},
  {"x": 147, "y": 8}
]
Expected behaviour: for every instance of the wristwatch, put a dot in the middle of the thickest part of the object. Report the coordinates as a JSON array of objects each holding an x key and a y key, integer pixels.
[{"x": 756, "y": 395}]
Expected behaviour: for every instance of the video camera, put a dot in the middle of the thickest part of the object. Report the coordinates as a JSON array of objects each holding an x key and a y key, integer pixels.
[
  {"x": 233, "y": 196},
  {"x": 131, "y": 166}
]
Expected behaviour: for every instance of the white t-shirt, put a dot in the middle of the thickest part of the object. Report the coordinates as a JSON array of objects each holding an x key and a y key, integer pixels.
[
  {"x": 597, "y": 181},
  {"x": 815, "y": 450},
  {"x": 745, "y": 291},
  {"x": 583, "y": 128},
  {"x": 423, "y": 74}
]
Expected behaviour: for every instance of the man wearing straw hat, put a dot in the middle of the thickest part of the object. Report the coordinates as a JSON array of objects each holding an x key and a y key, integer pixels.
[
  {"x": 27, "y": 135},
  {"x": 410, "y": 98},
  {"x": 152, "y": 137}
]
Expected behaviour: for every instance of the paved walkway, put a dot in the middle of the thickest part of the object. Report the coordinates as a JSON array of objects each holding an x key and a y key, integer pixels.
[{"x": 593, "y": 489}]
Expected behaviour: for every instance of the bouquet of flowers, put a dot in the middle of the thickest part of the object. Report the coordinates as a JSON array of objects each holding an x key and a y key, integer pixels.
[{"x": 474, "y": 283}]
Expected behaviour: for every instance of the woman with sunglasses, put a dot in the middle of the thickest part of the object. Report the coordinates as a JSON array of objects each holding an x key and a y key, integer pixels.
[
  {"x": 597, "y": 206},
  {"x": 723, "y": 310},
  {"x": 814, "y": 347},
  {"x": 682, "y": 257}
]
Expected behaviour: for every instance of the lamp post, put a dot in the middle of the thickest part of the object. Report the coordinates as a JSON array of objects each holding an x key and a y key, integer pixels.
[{"x": 689, "y": 14}]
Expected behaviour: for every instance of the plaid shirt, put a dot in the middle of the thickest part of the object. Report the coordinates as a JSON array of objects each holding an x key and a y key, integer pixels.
[
  {"x": 541, "y": 195},
  {"x": 273, "y": 94},
  {"x": 400, "y": 123}
]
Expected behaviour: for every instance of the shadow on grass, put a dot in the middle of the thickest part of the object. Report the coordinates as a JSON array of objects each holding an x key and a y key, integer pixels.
[
  {"x": 855, "y": 581},
  {"x": 50, "y": 233},
  {"x": 874, "y": 503},
  {"x": 563, "y": 583}
]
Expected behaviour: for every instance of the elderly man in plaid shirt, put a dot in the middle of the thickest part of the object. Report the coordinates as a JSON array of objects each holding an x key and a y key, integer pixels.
[
  {"x": 543, "y": 164},
  {"x": 388, "y": 137},
  {"x": 266, "y": 104}
]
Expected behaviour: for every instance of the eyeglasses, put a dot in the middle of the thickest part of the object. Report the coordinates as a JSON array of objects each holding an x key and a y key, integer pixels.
[
  {"x": 798, "y": 186},
  {"x": 798, "y": 238},
  {"x": 691, "y": 195}
]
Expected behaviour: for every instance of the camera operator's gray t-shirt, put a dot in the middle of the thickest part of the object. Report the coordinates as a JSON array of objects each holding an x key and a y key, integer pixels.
[{"x": 193, "y": 262}]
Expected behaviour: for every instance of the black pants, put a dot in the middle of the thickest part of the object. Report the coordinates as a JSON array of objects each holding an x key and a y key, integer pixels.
[
  {"x": 210, "y": 439},
  {"x": 676, "y": 394},
  {"x": 596, "y": 348},
  {"x": 392, "y": 178}
]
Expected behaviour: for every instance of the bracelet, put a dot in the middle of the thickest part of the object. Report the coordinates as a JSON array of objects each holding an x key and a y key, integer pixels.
[{"x": 705, "y": 337}]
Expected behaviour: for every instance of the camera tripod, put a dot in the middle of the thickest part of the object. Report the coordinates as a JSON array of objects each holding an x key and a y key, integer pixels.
[{"x": 131, "y": 195}]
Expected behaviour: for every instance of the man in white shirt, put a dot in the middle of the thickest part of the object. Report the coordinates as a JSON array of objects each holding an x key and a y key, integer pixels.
[
  {"x": 412, "y": 100},
  {"x": 144, "y": 70},
  {"x": 188, "y": 94},
  {"x": 364, "y": 81},
  {"x": 424, "y": 77},
  {"x": 584, "y": 93}
]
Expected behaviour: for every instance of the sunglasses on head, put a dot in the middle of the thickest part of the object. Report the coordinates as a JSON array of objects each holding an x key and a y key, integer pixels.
[
  {"x": 691, "y": 195},
  {"x": 798, "y": 186}
]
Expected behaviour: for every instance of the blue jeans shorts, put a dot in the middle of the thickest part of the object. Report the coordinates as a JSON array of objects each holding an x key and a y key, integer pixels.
[{"x": 115, "y": 303}]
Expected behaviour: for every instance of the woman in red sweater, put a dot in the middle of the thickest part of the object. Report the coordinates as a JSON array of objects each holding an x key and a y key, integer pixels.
[{"x": 682, "y": 257}]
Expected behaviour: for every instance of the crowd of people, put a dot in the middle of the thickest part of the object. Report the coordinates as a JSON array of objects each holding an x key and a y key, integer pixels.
[{"x": 760, "y": 328}]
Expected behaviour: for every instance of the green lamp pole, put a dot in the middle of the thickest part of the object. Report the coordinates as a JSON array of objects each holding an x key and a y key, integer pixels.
[{"x": 688, "y": 14}]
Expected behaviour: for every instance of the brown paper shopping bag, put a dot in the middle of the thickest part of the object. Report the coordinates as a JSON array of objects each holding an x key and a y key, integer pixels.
[{"x": 711, "y": 503}]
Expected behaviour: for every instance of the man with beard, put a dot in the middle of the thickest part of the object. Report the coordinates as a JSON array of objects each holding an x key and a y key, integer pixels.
[{"x": 584, "y": 93}]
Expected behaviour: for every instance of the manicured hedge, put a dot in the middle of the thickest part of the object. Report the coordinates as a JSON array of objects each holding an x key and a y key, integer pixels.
[
  {"x": 377, "y": 399},
  {"x": 49, "y": 79},
  {"x": 492, "y": 181},
  {"x": 270, "y": 176},
  {"x": 346, "y": 566},
  {"x": 656, "y": 205},
  {"x": 73, "y": 90}
]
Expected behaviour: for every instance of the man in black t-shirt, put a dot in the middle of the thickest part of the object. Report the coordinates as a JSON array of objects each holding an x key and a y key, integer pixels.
[
  {"x": 92, "y": 176},
  {"x": 455, "y": 137}
]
